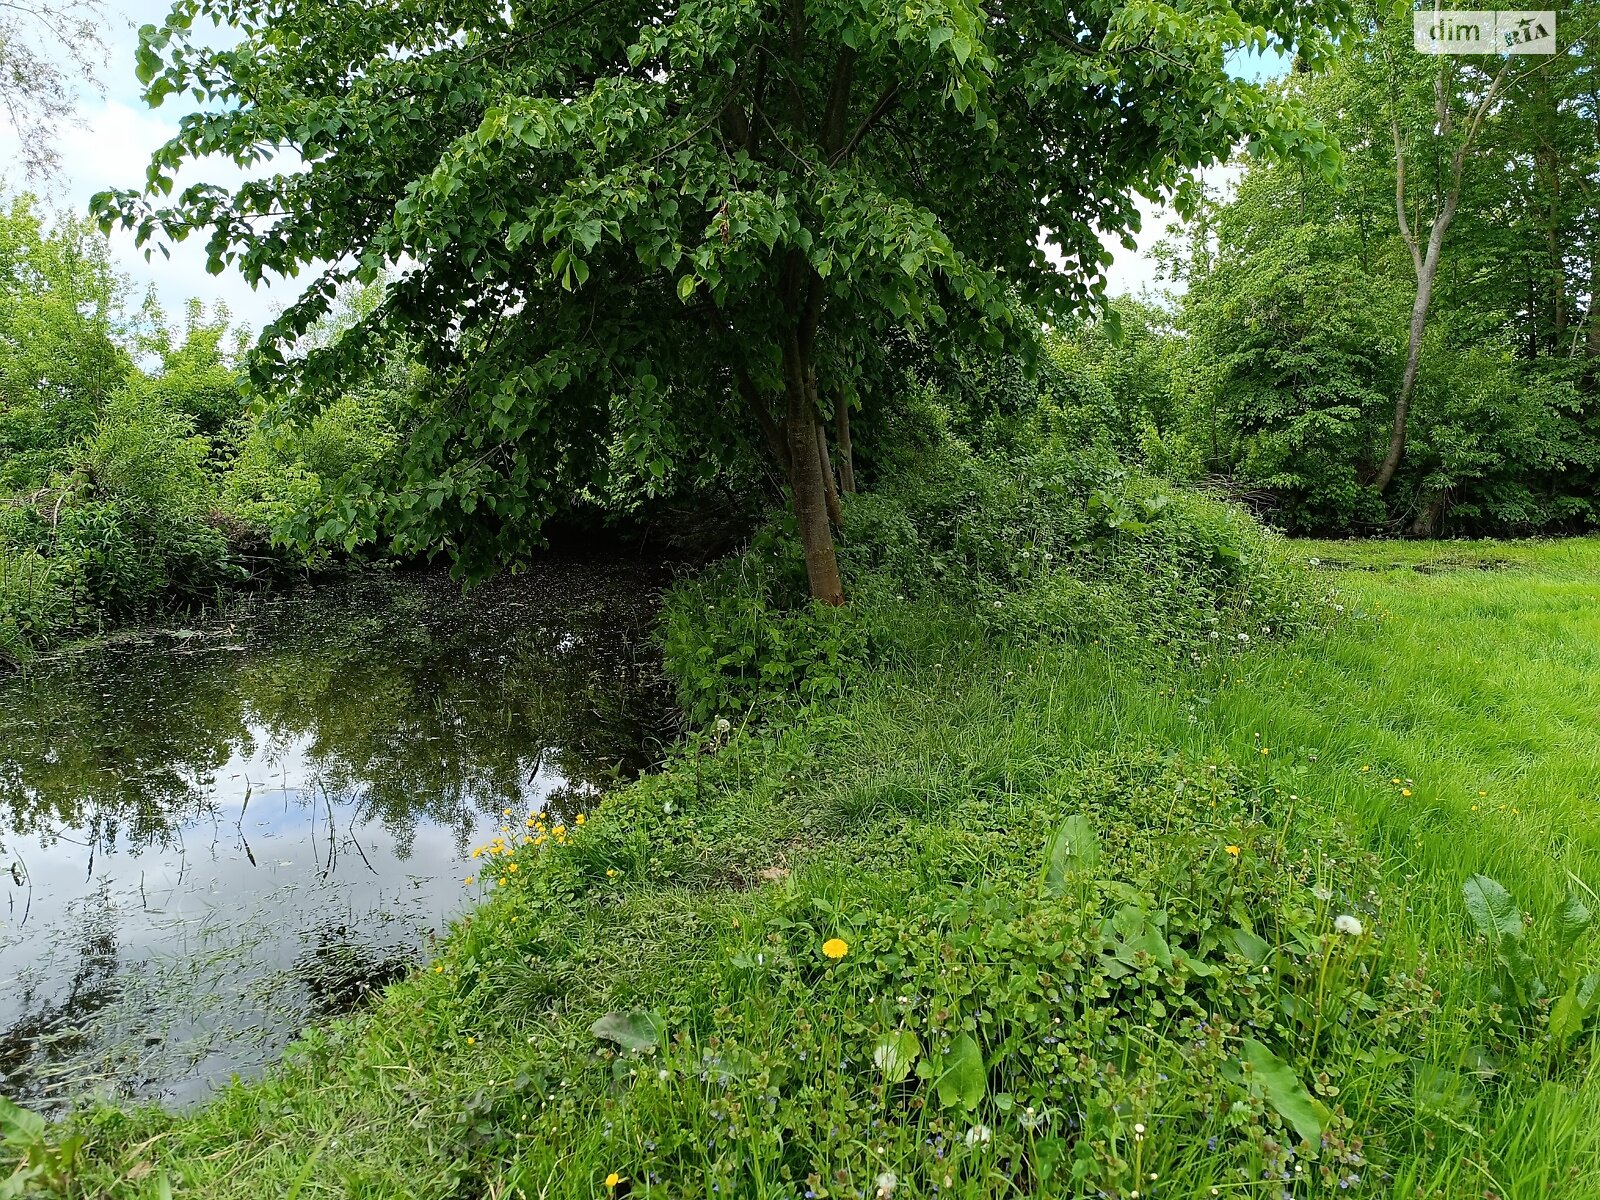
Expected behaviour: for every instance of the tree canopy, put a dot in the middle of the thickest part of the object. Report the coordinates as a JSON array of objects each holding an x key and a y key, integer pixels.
[
  {"x": 685, "y": 227},
  {"x": 1419, "y": 348}
]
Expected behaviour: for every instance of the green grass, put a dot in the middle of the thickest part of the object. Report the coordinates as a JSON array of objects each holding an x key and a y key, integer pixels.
[{"x": 914, "y": 821}]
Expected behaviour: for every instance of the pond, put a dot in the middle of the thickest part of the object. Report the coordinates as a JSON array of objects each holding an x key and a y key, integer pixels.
[{"x": 211, "y": 837}]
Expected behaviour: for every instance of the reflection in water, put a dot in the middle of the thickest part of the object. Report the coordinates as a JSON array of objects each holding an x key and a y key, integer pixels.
[{"x": 210, "y": 837}]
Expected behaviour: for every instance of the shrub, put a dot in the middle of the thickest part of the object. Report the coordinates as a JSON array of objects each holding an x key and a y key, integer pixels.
[
  {"x": 1048, "y": 544},
  {"x": 40, "y": 596}
]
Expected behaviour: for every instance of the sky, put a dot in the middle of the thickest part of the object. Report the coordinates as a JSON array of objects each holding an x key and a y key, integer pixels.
[
  {"x": 110, "y": 148},
  {"x": 112, "y": 143}
]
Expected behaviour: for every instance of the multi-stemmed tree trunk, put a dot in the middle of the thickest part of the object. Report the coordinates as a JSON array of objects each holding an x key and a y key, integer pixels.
[
  {"x": 798, "y": 442},
  {"x": 810, "y": 480}
]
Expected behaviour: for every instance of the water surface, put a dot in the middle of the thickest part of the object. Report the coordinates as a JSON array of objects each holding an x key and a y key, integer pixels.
[{"x": 210, "y": 837}]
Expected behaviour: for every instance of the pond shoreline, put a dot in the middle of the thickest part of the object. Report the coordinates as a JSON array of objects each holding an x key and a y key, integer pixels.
[{"x": 332, "y": 751}]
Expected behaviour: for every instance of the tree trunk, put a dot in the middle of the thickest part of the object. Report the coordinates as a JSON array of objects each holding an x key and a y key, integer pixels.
[
  {"x": 1428, "y": 517},
  {"x": 1426, "y": 264},
  {"x": 806, "y": 481},
  {"x": 1428, "y": 271},
  {"x": 847, "y": 464},
  {"x": 830, "y": 489}
]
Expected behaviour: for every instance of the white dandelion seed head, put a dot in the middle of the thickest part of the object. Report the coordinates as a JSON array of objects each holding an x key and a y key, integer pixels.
[
  {"x": 887, "y": 1182},
  {"x": 1347, "y": 924},
  {"x": 978, "y": 1135}
]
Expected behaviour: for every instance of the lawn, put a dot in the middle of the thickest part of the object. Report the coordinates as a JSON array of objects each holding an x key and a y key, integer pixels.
[{"x": 1020, "y": 919}]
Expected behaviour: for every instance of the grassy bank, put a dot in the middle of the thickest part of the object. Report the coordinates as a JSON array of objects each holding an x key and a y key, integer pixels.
[{"x": 1017, "y": 916}]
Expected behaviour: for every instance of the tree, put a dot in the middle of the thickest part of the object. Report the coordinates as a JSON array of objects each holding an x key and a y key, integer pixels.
[
  {"x": 62, "y": 335},
  {"x": 707, "y": 215},
  {"x": 1463, "y": 95},
  {"x": 47, "y": 49},
  {"x": 1340, "y": 342},
  {"x": 1442, "y": 127}
]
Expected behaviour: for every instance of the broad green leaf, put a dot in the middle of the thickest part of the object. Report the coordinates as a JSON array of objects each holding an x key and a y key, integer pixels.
[
  {"x": 1573, "y": 920},
  {"x": 635, "y": 1030},
  {"x": 1073, "y": 848},
  {"x": 894, "y": 1054},
  {"x": 1492, "y": 909},
  {"x": 732, "y": 1062},
  {"x": 1436, "y": 1089},
  {"x": 19, "y": 1126},
  {"x": 1284, "y": 1091},
  {"x": 962, "y": 1079},
  {"x": 1572, "y": 1011},
  {"x": 1252, "y": 947}
]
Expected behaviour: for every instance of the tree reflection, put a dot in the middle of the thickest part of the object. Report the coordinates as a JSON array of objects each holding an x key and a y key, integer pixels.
[{"x": 403, "y": 699}]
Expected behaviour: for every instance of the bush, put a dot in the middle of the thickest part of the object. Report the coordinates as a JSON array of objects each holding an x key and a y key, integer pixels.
[
  {"x": 130, "y": 523},
  {"x": 40, "y": 596},
  {"x": 286, "y": 473},
  {"x": 1046, "y": 544}
]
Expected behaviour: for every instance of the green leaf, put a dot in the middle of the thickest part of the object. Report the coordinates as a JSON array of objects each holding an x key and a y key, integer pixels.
[
  {"x": 686, "y": 287},
  {"x": 962, "y": 1079},
  {"x": 894, "y": 1054},
  {"x": 19, "y": 1126},
  {"x": 1284, "y": 1091},
  {"x": 635, "y": 1030},
  {"x": 1570, "y": 1013},
  {"x": 1572, "y": 921},
  {"x": 1441, "y": 1091},
  {"x": 1492, "y": 909},
  {"x": 1252, "y": 947},
  {"x": 1073, "y": 848}
]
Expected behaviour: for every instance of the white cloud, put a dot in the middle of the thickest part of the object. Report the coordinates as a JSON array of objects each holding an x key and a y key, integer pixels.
[{"x": 110, "y": 147}]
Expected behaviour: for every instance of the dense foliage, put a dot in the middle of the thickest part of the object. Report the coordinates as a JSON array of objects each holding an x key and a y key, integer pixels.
[
  {"x": 1418, "y": 349},
  {"x": 689, "y": 228},
  {"x": 132, "y": 477},
  {"x": 1019, "y": 525}
]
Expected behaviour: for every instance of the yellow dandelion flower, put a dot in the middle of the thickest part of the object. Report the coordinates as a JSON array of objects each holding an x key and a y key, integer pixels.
[
  {"x": 1264, "y": 750},
  {"x": 559, "y": 830},
  {"x": 438, "y": 968},
  {"x": 506, "y": 812},
  {"x": 469, "y": 879},
  {"x": 1368, "y": 767},
  {"x": 511, "y": 867},
  {"x": 472, "y": 1041},
  {"x": 1231, "y": 850},
  {"x": 611, "y": 872},
  {"x": 612, "y": 1180},
  {"x": 1405, "y": 791},
  {"x": 836, "y": 947},
  {"x": 477, "y": 852}
]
